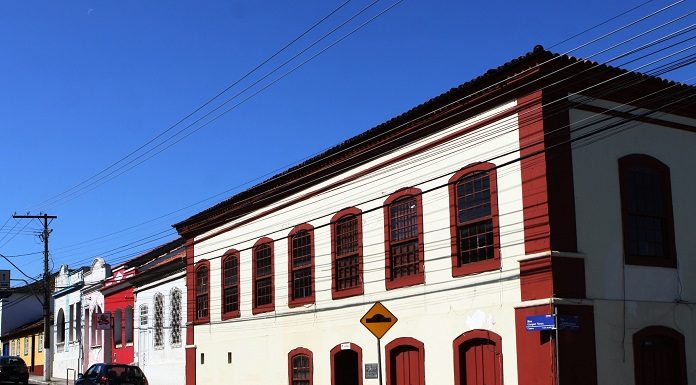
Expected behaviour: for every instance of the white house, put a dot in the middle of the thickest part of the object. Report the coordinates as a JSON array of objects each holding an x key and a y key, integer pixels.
[
  {"x": 96, "y": 343},
  {"x": 160, "y": 305},
  {"x": 549, "y": 188},
  {"x": 67, "y": 335}
]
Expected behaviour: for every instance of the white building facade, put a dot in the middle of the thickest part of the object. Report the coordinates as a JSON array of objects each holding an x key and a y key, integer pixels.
[
  {"x": 67, "y": 330},
  {"x": 96, "y": 343},
  {"x": 497, "y": 202},
  {"x": 160, "y": 317}
]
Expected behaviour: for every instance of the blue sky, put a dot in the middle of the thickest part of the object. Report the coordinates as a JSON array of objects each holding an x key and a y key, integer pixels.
[{"x": 84, "y": 83}]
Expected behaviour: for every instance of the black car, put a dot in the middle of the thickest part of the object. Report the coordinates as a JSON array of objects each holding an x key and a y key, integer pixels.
[
  {"x": 112, "y": 374},
  {"x": 13, "y": 369}
]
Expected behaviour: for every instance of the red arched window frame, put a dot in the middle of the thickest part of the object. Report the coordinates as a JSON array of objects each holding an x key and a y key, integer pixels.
[
  {"x": 389, "y": 242},
  {"x": 346, "y": 246},
  {"x": 298, "y": 352},
  {"x": 262, "y": 274},
  {"x": 474, "y": 335},
  {"x": 659, "y": 331},
  {"x": 399, "y": 342},
  {"x": 202, "y": 292},
  {"x": 337, "y": 349},
  {"x": 663, "y": 212},
  {"x": 301, "y": 263},
  {"x": 493, "y": 263},
  {"x": 229, "y": 285}
]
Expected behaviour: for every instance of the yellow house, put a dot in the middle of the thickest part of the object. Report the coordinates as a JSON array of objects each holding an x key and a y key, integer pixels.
[{"x": 27, "y": 342}]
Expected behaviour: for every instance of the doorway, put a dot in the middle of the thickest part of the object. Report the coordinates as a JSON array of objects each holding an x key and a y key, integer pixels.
[{"x": 346, "y": 364}]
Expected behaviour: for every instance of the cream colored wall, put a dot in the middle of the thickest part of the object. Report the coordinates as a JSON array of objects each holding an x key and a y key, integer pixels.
[
  {"x": 434, "y": 313},
  {"x": 654, "y": 295}
]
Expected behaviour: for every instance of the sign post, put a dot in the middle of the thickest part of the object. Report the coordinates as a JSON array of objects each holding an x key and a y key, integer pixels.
[{"x": 378, "y": 320}]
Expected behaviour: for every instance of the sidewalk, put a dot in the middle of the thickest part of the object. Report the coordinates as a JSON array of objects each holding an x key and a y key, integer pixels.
[{"x": 39, "y": 380}]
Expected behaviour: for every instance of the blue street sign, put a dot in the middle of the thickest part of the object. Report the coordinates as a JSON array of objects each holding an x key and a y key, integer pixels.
[
  {"x": 568, "y": 322},
  {"x": 541, "y": 322}
]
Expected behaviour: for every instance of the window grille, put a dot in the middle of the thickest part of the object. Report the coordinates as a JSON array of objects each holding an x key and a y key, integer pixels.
[
  {"x": 230, "y": 284},
  {"x": 347, "y": 259},
  {"x": 403, "y": 218},
  {"x": 301, "y": 279},
  {"x": 263, "y": 282},
  {"x": 202, "y": 292},
  {"x": 143, "y": 317},
  {"x": 474, "y": 219},
  {"x": 159, "y": 320},
  {"x": 646, "y": 200},
  {"x": 300, "y": 370},
  {"x": 175, "y": 321},
  {"x": 26, "y": 346}
]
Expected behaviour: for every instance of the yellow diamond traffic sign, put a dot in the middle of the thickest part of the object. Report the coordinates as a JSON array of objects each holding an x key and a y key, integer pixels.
[{"x": 378, "y": 320}]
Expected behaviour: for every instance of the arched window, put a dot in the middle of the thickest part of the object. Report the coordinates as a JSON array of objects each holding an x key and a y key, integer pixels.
[
  {"x": 478, "y": 358},
  {"x": 262, "y": 271},
  {"x": 118, "y": 327},
  {"x": 175, "y": 317},
  {"x": 301, "y": 265},
  {"x": 659, "y": 356},
  {"x": 474, "y": 220},
  {"x": 203, "y": 291},
  {"x": 405, "y": 361},
  {"x": 404, "y": 238},
  {"x": 300, "y": 368},
  {"x": 128, "y": 314},
  {"x": 60, "y": 325},
  {"x": 346, "y": 253},
  {"x": 159, "y": 321},
  {"x": 646, "y": 208},
  {"x": 230, "y": 284}
]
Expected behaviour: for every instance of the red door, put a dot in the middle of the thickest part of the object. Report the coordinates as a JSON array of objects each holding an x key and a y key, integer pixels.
[
  {"x": 479, "y": 363},
  {"x": 406, "y": 366},
  {"x": 659, "y": 357}
]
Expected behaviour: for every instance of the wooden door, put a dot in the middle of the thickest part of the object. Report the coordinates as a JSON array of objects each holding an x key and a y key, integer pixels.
[
  {"x": 406, "y": 366},
  {"x": 479, "y": 363},
  {"x": 658, "y": 361}
]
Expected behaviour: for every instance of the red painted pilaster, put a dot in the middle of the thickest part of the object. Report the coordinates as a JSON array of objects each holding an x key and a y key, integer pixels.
[{"x": 190, "y": 314}]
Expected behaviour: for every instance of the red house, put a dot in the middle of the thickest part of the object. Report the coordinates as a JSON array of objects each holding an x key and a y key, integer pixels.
[{"x": 118, "y": 301}]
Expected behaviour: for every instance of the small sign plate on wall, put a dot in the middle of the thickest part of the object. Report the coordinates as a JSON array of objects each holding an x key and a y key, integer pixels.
[
  {"x": 371, "y": 371},
  {"x": 345, "y": 346}
]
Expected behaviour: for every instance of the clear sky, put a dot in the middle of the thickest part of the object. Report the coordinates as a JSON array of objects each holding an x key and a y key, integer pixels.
[{"x": 85, "y": 83}]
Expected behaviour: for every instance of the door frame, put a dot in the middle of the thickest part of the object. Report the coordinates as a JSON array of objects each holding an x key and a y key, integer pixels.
[
  {"x": 404, "y": 341},
  {"x": 337, "y": 349}
]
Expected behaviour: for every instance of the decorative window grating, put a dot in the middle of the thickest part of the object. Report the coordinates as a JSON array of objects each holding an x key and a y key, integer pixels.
[
  {"x": 175, "y": 320},
  {"x": 159, "y": 321},
  {"x": 300, "y": 370},
  {"x": 143, "y": 317}
]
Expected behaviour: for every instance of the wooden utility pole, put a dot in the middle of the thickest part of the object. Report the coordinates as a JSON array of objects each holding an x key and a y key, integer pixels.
[{"x": 48, "y": 356}]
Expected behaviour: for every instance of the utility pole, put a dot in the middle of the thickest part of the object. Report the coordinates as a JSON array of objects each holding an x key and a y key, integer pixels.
[{"x": 48, "y": 356}]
